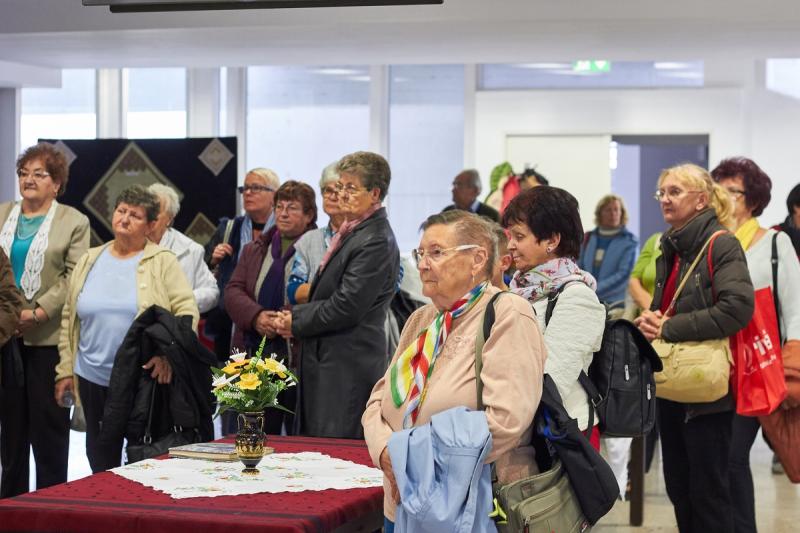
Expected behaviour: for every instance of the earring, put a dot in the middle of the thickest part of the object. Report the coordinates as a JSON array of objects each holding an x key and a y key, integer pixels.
[{"x": 549, "y": 249}]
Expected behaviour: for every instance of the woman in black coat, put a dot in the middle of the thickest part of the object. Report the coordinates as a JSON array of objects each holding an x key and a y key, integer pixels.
[
  {"x": 715, "y": 304},
  {"x": 341, "y": 328}
]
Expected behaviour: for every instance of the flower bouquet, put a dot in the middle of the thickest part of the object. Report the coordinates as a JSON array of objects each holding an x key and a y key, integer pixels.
[{"x": 250, "y": 386}]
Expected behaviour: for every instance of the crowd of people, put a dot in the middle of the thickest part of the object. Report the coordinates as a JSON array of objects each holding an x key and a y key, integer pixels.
[{"x": 326, "y": 301}]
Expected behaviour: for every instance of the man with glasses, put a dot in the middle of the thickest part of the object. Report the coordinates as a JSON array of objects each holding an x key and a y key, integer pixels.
[
  {"x": 466, "y": 188},
  {"x": 225, "y": 246}
]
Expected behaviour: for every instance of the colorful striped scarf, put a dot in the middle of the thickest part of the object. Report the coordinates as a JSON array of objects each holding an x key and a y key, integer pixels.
[{"x": 411, "y": 370}]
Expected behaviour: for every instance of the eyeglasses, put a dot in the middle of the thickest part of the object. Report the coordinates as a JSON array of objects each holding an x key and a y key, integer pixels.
[
  {"x": 38, "y": 175},
  {"x": 735, "y": 193},
  {"x": 330, "y": 191},
  {"x": 438, "y": 254},
  {"x": 674, "y": 194},
  {"x": 350, "y": 190},
  {"x": 289, "y": 208},
  {"x": 255, "y": 188}
]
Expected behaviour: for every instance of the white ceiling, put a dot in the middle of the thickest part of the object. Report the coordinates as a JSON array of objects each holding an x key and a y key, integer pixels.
[{"x": 63, "y": 33}]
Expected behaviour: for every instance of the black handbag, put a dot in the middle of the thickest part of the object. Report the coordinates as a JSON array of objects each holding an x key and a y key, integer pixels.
[{"x": 146, "y": 448}]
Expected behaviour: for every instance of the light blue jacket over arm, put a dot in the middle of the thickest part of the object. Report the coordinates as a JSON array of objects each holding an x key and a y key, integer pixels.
[{"x": 443, "y": 481}]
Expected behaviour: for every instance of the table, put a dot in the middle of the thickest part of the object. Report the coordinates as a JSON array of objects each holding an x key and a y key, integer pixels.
[{"x": 106, "y": 502}]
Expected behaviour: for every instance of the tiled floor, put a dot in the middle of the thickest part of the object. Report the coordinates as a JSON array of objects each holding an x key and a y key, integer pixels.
[{"x": 777, "y": 501}]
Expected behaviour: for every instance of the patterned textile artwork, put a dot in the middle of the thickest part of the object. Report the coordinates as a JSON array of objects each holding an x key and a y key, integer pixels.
[{"x": 201, "y": 170}]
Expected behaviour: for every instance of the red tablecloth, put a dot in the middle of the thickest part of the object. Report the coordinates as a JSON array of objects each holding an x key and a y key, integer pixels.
[{"x": 107, "y": 502}]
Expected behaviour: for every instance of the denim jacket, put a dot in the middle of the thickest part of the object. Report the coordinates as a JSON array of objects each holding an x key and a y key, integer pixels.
[{"x": 441, "y": 474}]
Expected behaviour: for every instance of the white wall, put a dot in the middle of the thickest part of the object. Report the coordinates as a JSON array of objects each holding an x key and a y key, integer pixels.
[
  {"x": 742, "y": 120},
  {"x": 499, "y": 114}
]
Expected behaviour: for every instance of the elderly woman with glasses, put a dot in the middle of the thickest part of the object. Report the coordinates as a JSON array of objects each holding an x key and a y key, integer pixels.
[
  {"x": 43, "y": 239},
  {"x": 456, "y": 259},
  {"x": 257, "y": 290},
  {"x": 311, "y": 247},
  {"x": 341, "y": 328},
  {"x": 716, "y": 302},
  {"x": 225, "y": 246},
  {"x": 139, "y": 274}
]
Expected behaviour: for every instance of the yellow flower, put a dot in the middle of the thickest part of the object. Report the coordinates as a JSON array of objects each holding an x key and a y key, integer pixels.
[
  {"x": 232, "y": 367},
  {"x": 249, "y": 381},
  {"x": 275, "y": 367}
]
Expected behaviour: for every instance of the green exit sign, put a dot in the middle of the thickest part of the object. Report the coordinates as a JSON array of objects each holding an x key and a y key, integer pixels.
[{"x": 591, "y": 65}]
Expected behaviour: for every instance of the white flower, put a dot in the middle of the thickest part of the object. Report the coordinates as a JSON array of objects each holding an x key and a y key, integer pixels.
[
  {"x": 238, "y": 356},
  {"x": 222, "y": 380}
]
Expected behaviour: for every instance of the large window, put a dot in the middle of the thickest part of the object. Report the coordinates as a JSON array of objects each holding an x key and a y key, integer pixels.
[
  {"x": 64, "y": 113},
  {"x": 783, "y": 76},
  {"x": 300, "y": 119},
  {"x": 156, "y": 103},
  {"x": 591, "y": 74},
  {"x": 426, "y": 144}
]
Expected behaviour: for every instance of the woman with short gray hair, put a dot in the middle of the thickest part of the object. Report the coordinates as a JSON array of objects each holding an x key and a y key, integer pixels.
[
  {"x": 341, "y": 328},
  {"x": 190, "y": 254}
]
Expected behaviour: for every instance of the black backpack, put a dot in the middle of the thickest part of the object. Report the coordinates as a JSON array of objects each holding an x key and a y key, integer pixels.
[
  {"x": 620, "y": 383},
  {"x": 558, "y": 436}
]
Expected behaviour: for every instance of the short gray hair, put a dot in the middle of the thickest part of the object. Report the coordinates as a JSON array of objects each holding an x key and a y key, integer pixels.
[
  {"x": 172, "y": 203},
  {"x": 371, "y": 168},
  {"x": 137, "y": 195},
  {"x": 470, "y": 229},
  {"x": 267, "y": 175},
  {"x": 329, "y": 174},
  {"x": 474, "y": 178}
]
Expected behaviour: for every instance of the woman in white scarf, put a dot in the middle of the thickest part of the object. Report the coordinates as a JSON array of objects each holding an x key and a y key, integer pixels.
[{"x": 44, "y": 240}]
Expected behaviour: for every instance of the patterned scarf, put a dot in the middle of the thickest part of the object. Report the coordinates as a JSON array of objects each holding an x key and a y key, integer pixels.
[
  {"x": 540, "y": 281},
  {"x": 410, "y": 372},
  {"x": 31, "y": 279}
]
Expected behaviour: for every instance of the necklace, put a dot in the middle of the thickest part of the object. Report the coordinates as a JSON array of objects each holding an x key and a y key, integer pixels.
[{"x": 28, "y": 227}]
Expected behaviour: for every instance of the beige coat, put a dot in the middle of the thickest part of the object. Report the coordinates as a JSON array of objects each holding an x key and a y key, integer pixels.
[
  {"x": 159, "y": 279},
  {"x": 512, "y": 374},
  {"x": 67, "y": 241}
]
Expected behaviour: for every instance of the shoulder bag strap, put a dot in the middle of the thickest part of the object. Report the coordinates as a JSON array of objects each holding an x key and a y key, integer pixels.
[
  {"x": 691, "y": 269},
  {"x": 484, "y": 329},
  {"x": 226, "y": 237},
  {"x": 775, "y": 298}
]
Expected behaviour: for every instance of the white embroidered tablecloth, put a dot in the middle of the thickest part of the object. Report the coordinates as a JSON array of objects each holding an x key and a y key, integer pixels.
[{"x": 278, "y": 472}]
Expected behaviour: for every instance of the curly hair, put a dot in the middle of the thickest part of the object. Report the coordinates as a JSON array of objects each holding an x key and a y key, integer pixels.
[
  {"x": 138, "y": 195},
  {"x": 54, "y": 162},
  {"x": 548, "y": 211},
  {"x": 757, "y": 185}
]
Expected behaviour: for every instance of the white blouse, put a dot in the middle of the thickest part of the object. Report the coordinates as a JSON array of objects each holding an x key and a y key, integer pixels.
[{"x": 759, "y": 262}]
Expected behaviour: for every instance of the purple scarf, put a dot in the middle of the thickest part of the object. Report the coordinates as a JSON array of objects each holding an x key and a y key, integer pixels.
[{"x": 273, "y": 289}]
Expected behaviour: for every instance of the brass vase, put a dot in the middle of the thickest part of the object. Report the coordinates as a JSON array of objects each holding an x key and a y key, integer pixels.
[{"x": 250, "y": 440}]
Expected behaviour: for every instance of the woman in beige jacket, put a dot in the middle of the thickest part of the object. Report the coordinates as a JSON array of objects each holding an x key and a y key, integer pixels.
[
  {"x": 455, "y": 261},
  {"x": 43, "y": 239},
  {"x": 110, "y": 286}
]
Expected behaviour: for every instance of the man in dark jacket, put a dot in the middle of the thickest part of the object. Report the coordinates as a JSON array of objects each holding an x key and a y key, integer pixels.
[
  {"x": 185, "y": 403},
  {"x": 466, "y": 188},
  {"x": 341, "y": 328}
]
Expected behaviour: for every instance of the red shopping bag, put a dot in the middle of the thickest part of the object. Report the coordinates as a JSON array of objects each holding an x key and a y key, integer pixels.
[{"x": 759, "y": 387}]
